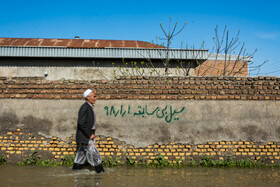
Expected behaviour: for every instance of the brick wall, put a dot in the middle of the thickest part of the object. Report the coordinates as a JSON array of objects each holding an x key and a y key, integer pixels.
[
  {"x": 218, "y": 67},
  {"x": 16, "y": 143},
  {"x": 146, "y": 88}
]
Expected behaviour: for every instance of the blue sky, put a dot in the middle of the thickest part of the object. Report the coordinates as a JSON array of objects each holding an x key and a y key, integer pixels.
[{"x": 258, "y": 22}]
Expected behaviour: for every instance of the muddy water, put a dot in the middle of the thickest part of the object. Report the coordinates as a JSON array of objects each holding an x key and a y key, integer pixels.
[{"x": 12, "y": 175}]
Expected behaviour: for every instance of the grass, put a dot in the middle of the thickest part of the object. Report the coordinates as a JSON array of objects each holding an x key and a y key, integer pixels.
[
  {"x": 158, "y": 161},
  {"x": 33, "y": 159},
  {"x": 2, "y": 160},
  {"x": 206, "y": 161}
]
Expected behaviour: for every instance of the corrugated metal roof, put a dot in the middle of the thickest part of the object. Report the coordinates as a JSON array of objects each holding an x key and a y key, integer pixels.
[
  {"x": 229, "y": 57},
  {"x": 75, "y": 43},
  {"x": 85, "y": 48},
  {"x": 132, "y": 53}
]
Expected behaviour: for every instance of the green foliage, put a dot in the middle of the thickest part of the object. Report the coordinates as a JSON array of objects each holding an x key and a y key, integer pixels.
[
  {"x": 130, "y": 161},
  {"x": 2, "y": 160},
  {"x": 229, "y": 162},
  {"x": 111, "y": 162},
  {"x": 67, "y": 160},
  {"x": 158, "y": 161},
  {"x": 192, "y": 163},
  {"x": 246, "y": 163},
  {"x": 206, "y": 161},
  {"x": 134, "y": 68},
  {"x": 33, "y": 159}
]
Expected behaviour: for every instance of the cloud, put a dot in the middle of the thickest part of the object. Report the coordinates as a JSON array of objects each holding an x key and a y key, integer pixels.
[{"x": 269, "y": 36}]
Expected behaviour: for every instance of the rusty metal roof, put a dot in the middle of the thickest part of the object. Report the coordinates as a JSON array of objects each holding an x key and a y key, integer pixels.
[{"x": 75, "y": 43}]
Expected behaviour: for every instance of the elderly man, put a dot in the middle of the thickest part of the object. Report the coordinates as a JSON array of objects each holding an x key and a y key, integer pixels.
[{"x": 86, "y": 134}]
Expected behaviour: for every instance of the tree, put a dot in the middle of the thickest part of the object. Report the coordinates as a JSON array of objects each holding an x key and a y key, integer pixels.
[
  {"x": 151, "y": 67},
  {"x": 169, "y": 36},
  {"x": 236, "y": 59},
  {"x": 229, "y": 56}
]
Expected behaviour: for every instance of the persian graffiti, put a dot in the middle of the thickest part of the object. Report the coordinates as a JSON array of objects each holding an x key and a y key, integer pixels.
[{"x": 167, "y": 113}]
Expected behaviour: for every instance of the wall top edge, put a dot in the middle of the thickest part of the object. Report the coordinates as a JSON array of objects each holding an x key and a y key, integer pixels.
[{"x": 277, "y": 78}]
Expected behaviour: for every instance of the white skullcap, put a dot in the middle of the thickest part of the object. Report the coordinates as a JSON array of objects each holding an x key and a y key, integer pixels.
[{"x": 87, "y": 92}]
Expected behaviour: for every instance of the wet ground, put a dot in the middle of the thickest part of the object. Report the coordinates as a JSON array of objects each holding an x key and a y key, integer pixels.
[{"x": 13, "y": 175}]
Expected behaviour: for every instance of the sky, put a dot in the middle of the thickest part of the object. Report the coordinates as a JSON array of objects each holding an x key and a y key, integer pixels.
[{"x": 258, "y": 22}]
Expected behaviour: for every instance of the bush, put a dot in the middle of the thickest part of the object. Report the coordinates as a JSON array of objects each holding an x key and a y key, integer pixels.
[
  {"x": 2, "y": 160},
  {"x": 36, "y": 160}
]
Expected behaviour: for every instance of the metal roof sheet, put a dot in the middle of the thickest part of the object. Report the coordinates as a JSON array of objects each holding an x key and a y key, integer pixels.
[
  {"x": 85, "y": 48},
  {"x": 132, "y": 53},
  {"x": 229, "y": 57}
]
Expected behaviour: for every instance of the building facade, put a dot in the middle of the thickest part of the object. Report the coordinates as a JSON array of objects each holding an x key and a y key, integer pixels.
[{"x": 84, "y": 59}]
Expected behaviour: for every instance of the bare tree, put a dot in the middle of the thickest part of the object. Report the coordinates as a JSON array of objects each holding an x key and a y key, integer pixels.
[
  {"x": 169, "y": 36},
  {"x": 236, "y": 59},
  {"x": 229, "y": 56},
  {"x": 190, "y": 57},
  {"x": 165, "y": 53}
]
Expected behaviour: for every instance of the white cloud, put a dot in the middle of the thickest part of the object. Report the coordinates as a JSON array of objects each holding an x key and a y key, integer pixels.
[{"x": 270, "y": 36}]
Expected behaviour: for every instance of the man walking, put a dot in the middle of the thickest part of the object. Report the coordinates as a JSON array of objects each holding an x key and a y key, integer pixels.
[{"x": 85, "y": 134}]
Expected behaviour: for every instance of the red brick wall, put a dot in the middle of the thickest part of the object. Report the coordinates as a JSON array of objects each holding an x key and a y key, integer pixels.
[
  {"x": 232, "y": 69},
  {"x": 145, "y": 88}
]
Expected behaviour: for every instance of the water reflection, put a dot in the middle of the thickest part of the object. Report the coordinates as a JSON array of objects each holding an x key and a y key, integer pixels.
[{"x": 12, "y": 175}]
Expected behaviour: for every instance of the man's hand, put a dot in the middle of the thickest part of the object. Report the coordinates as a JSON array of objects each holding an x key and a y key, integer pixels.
[{"x": 92, "y": 137}]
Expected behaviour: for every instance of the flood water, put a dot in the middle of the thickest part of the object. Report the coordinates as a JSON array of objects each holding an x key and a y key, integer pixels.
[{"x": 13, "y": 175}]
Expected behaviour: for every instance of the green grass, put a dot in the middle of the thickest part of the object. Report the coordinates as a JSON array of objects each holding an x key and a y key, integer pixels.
[
  {"x": 33, "y": 159},
  {"x": 158, "y": 161},
  {"x": 2, "y": 160}
]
